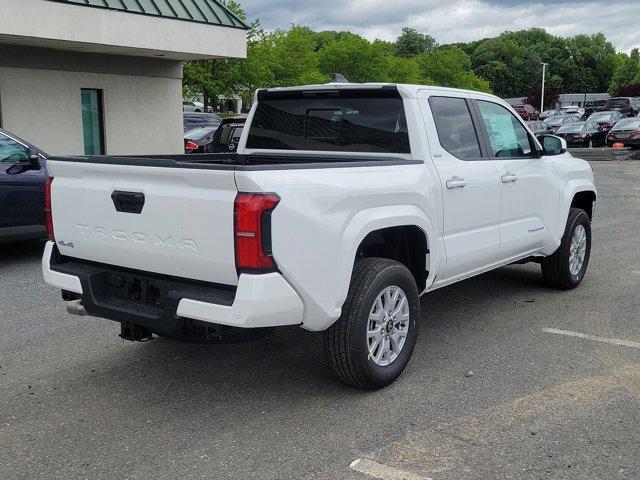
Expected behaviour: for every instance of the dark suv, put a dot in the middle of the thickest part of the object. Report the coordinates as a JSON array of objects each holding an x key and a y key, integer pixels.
[{"x": 628, "y": 106}]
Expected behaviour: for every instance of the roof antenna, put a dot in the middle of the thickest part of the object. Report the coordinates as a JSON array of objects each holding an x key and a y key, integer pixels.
[{"x": 338, "y": 78}]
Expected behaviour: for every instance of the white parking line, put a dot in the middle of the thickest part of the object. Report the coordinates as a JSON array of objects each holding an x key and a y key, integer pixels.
[
  {"x": 612, "y": 341},
  {"x": 382, "y": 472}
]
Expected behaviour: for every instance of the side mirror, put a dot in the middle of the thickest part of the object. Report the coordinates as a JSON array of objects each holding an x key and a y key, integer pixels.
[
  {"x": 32, "y": 162},
  {"x": 553, "y": 145}
]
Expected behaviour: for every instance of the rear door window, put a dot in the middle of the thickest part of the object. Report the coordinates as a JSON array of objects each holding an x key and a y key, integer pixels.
[
  {"x": 336, "y": 120},
  {"x": 456, "y": 131}
]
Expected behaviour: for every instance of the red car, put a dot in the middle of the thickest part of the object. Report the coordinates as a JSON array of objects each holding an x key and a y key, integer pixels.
[{"x": 527, "y": 112}]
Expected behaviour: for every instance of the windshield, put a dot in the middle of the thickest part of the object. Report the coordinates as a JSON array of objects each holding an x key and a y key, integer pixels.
[
  {"x": 601, "y": 117},
  {"x": 555, "y": 121},
  {"x": 599, "y": 103},
  {"x": 573, "y": 128},
  {"x": 200, "y": 133},
  {"x": 627, "y": 125}
]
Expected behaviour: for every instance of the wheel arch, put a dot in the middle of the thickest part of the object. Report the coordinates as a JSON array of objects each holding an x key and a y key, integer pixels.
[
  {"x": 370, "y": 224},
  {"x": 578, "y": 194}
]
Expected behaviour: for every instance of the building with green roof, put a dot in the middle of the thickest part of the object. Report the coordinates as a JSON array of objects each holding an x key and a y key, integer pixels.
[{"x": 105, "y": 76}]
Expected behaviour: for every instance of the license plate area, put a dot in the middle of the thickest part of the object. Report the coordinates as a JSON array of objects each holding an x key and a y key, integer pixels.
[{"x": 137, "y": 289}]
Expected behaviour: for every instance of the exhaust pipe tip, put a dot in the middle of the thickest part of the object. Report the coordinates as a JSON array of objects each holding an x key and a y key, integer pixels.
[{"x": 75, "y": 308}]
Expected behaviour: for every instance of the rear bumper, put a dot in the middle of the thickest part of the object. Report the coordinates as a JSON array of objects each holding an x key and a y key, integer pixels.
[
  {"x": 627, "y": 142},
  {"x": 163, "y": 303}
]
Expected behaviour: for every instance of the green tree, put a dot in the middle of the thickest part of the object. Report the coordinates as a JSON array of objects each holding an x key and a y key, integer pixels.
[
  {"x": 411, "y": 43},
  {"x": 450, "y": 66},
  {"x": 626, "y": 73},
  {"x": 355, "y": 58}
]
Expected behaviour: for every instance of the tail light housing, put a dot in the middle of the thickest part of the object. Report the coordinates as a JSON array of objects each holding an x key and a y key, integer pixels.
[
  {"x": 252, "y": 231},
  {"x": 47, "y": 208},
  {"x": 190, "y": 146}
]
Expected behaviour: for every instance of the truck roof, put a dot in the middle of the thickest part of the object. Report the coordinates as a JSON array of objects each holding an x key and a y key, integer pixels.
[{"x": 405, "y": 90}]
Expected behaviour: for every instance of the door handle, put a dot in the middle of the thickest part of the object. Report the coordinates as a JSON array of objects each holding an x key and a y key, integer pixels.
[
  {"x": 456, "y": 182},
  {"x": 509, "y": 178},
  {"x": 128, "y": 202}
]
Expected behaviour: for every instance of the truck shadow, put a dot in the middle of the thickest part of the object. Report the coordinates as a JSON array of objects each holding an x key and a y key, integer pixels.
[
  {"x": 291, "y": 359},
  {"x": 20, "y": 252}
]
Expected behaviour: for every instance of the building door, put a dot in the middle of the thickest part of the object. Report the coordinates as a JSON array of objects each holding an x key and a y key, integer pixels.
[{"x": 92, "y": 121}]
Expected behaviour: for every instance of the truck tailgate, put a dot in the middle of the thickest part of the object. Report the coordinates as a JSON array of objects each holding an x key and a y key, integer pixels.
[{"x": 184, "y": 229}]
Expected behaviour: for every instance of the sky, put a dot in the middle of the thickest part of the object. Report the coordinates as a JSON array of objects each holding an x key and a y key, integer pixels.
[{"x": 450, "y": 21}]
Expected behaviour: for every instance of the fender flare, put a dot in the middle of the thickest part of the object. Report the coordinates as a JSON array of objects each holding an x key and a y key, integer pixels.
[
  {"x": 572, "y": 188},
  {"x": 369, "y": 220}
]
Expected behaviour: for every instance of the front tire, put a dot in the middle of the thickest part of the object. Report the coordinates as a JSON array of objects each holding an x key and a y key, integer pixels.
[
  {"x": 565, "y": 269},
  {"x": 371, "y": 343}
]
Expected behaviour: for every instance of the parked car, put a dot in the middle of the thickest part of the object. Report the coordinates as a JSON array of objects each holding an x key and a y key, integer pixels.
[
  {"x": 196, "y": 139},
  {"x": 342, "y": 206},
  {"x": 199, "y": 120},
  {"x": 23, "y": 176},
  {"x": 583, "y": 134},
  {"x": 628, "y": 106},
  {"x": 548, "y": 113},
  {"x": 222, "y": 139},
  {"x": 606, "y": 119},
  {"x": 573, "y": 110},
  {"x": 595, "y": 106},
  {"x": 539, "y": 128},
  {"x": 195, "y": 107},
  {"x": 527, "y": 112},
  {"x": 557, "y": 121},
  {"x": 626, "y": 132}
]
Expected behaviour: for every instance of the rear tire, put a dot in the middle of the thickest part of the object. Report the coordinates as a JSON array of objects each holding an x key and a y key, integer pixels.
[
  {"x": 561, "y": 270},
  {"x": 360, "y": 345}
]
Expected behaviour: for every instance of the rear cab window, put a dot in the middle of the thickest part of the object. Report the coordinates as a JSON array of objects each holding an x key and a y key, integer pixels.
[{"x": 348, "y": 120}]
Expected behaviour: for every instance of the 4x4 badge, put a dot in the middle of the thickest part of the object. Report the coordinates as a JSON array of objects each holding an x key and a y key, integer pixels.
[{"x": 65, "y": 244}]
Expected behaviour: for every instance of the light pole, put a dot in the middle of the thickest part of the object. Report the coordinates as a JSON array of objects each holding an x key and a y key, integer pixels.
[{"x": 544, "y": 69}]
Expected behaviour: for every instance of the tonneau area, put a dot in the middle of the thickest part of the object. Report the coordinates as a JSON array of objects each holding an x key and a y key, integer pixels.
[{"x": 234, "y": 161}]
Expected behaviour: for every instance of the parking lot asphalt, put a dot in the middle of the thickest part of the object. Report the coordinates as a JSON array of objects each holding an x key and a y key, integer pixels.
[{"x": 489, "y": 393}]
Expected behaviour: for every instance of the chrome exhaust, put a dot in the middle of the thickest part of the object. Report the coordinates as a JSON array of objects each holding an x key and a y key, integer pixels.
[{"x": 75, "y": 308}]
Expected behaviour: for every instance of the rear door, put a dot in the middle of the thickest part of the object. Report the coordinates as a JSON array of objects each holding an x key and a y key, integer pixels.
[
  {"x": 528, "y": 183},
  {"x": 173, "y": 221},
  {"x": 470, "y": 184}
]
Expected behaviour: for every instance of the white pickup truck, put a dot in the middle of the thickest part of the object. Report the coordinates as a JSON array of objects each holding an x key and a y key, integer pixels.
[{"x": 344, "y": 203}]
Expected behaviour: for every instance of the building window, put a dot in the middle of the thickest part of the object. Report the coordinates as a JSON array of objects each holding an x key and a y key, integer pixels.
[{"x": 92, "y": 118}]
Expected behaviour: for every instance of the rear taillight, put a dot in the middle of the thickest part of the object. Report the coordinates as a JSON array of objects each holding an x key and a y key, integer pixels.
[
  {"x": 47, "y": 208},
  {"x": 191, "y": 146},
  {"x": 252, "y": 230}
]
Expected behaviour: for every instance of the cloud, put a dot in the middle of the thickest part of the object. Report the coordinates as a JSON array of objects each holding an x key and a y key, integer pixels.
[{"x": 452, "y": 21}]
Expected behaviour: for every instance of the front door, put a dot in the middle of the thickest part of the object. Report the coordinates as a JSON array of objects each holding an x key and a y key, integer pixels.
[
  {"x": 529, "y": 186},
  {"x": 470, "y": 185},
  {"x": 21, "y": 192}
]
